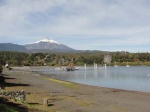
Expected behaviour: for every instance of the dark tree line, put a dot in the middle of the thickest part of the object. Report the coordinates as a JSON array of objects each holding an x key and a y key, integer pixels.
[
  {"x": 63, "y": 59},
  {"x": 1, "y": 69}
]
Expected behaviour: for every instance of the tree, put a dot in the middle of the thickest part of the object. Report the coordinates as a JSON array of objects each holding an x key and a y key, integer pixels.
[{"x": 1, "y": 69}]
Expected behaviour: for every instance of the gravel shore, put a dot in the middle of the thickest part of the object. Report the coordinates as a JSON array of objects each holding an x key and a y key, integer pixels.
[{"x": 71, "y": 97}]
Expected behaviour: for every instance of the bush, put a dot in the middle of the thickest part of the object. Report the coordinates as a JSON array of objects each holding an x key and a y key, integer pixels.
[
  {"x": 5, "y": 108},
  {"x": 1, "y": 69}
]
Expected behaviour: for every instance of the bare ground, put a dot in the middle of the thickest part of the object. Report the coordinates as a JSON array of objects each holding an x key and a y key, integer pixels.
[{"x": 71, "y": 97}]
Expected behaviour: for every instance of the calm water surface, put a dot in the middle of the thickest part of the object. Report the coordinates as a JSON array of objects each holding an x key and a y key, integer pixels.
[{"x": 128, "y": 78}]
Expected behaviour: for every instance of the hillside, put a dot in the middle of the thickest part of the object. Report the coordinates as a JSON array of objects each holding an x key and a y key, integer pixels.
[{"x": 12, "y": 47}]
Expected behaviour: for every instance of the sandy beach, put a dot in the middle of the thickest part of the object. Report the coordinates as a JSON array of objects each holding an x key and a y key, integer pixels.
[{"x": 71, "y": 97}]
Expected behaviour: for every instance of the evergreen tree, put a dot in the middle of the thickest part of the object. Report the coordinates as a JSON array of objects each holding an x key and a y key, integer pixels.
[{"x": 1, "y": 69}]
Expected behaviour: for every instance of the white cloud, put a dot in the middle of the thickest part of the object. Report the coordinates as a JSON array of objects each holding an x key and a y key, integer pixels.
[{"x": 110, "y": 22}]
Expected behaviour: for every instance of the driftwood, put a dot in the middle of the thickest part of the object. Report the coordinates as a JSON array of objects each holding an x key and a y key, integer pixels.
[{"x": 46, "y": 101}]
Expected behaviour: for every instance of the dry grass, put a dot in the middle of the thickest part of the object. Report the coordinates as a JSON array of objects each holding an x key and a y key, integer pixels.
[
  {"x": 117, "y": 109},
  {"x": 66, "y": 84},
  {"x": 84, "y": 103}
]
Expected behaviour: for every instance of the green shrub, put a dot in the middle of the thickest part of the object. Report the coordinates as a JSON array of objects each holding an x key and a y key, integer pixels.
[{"x": 4, "y": 108}]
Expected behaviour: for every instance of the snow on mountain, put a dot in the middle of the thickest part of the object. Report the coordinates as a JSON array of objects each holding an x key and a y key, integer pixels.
[
  {"x": 45, "y": 40},
  {"x": 48, "y": 44}
]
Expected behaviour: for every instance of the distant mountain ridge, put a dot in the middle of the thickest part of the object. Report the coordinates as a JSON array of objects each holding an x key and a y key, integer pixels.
[
  {"x": 44, "y": 45},
  {"x": 12, "y": 47}
]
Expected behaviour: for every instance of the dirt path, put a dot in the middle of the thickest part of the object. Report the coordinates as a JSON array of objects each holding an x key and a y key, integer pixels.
[{"x": 70, "y": 97}]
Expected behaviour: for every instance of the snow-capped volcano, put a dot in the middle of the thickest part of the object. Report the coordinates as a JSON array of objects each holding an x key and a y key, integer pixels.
[
  {"x": 46, "y": 40},
  {"x": 48, "y": 44}
]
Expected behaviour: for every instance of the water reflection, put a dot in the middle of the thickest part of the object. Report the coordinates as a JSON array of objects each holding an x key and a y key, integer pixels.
[
  {"x": 85, "y": 74},
  {"x": 95, "y": 74}
]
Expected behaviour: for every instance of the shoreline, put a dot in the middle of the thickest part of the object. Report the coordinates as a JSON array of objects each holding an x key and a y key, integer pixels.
[
  {"x": 73, "y": 97},
  {"x": 27, "y": 68},
  {"x": 63, "y": 81}
]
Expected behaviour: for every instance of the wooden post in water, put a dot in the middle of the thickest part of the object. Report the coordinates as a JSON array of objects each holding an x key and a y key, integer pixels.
[
  {"x": 95, "y": 66},
  {"x": 85, "y": 66},
  {"x": 105, "y": 66}
]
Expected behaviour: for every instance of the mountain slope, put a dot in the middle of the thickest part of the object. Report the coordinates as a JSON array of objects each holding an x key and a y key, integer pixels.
[
  {"x": 44, "y": 45},
  {"x": 48, "y": 44},
  {"x": 12, "y": 47}
]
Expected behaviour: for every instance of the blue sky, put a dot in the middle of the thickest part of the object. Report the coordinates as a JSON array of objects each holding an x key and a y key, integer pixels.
[{"x": 112, "y": 25}]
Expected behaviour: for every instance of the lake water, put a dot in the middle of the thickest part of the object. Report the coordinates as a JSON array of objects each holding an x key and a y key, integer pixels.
[{"x": 127, "y": 78}]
